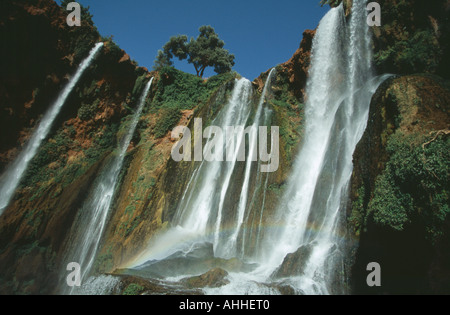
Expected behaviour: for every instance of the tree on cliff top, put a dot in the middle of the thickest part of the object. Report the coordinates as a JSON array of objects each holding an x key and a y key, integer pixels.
[{"x": 203, "y": 52}]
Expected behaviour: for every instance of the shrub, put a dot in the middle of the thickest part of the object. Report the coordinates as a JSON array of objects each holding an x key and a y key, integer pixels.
[
  {"x": 419, "y": 53},
  {"x": 414, "y": 186},
  {"x": 179, "y": 90},
  {"x": 169, "y": 119},
  {"x": 138, "y": 86},
  {"x": 133, "y": 289},
  {"x": 88, "y": 111}
]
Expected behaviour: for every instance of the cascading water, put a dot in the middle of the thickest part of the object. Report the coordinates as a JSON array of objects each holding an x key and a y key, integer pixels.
[
  {"x": 339, "y": 90},
  {"x": 215, "y": 178},
  {"x": 94, "y": 214},
  {"x": 307, "y": 224},
  {"x": 10, "y": 179},
  {"x": 306, "y": 227},
  {"x": 203, "y": 216},
  {"x": 230, "y": 248}
]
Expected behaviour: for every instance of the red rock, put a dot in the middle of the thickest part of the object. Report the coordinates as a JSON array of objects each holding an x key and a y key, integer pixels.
[{"x": 124, "y": 58}]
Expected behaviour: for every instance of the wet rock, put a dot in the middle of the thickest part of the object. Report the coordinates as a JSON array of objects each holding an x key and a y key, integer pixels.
[
  {"x": 286, "y": 290},
  {"x": 199, "y": 260},
  {"x": 214, "y": 278},
  {"x": 130, "y": 285},
  {"x": 294, "y": 264}
]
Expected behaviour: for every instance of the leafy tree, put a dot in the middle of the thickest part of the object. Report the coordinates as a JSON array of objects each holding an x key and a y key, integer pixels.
[
  {"x": 203, "y": 52},
  {"x": 162, "y": 61}
]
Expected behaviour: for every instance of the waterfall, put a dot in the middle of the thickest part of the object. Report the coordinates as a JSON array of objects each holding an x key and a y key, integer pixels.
[
  {"x": 230, "y": 248},
  {"x": 10, "y": 179},
  {"x": 304, "y": 246},
  {"x": 94, "y": 213},
  {"x": 339, "y": 90},
  {"x": 215, "y": 177},
  {"x": 203, "y": 215}
]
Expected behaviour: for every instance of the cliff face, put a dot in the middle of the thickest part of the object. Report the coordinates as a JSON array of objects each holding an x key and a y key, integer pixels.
[
  {"x": 413, "y": 37},
  {"x": 294, "y": 72},
  {"x": 398, "y": 214},
  {"x": 39, "y": 53},
  {"x": 31, "y": 70},
  {"x": 400, "y": 188}
]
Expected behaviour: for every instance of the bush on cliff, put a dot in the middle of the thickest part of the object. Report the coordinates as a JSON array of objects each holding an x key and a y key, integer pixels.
[
  {"x": 180, "y": 90},
  {"x": 420, "y": 53},
  {"x": 414, "y": 189}
]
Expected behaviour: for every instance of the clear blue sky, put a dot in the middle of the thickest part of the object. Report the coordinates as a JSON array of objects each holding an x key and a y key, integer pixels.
[{"x": 260, "y": 33}]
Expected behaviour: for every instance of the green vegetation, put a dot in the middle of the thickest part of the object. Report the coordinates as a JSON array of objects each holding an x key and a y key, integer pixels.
[
  {"x": 418, "y": 53},
  {"x": 51, "y": 162},
  {"x": 414, "y": 188},
  {"x": 357, "y": 210},
  {"x": 180, "y": 90},
  {"x": 169, "y": 118},
  {"x": 203, "y": 52},
  {"x": 103, "y": 141},
  {"x": 289, "y": 111},
  {"x": 88, "y": 111},
  {"x": 277, "y": 188},
  {"x": 50, "y": 152},
  {"x": 133, "y": 289},
  {"x": 139, "y": 85},
  {"x": 104, "y": 262}
]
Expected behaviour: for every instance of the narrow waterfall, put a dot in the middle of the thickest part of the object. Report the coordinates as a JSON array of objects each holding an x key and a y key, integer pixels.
[
  {"x": 94, "y": 214},
  {"x": 203, "y": 215},
  {"x": 339, "y": 90},
  {"x": 10, "y": 179}
]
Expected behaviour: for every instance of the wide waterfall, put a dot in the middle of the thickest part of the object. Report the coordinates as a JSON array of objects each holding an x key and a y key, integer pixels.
[
  {"x": 339, "y": 90},
  {"x": 10, "y": 179},
  {"x": 88, "y": 229},
  {"x": 304, "y": 247}
]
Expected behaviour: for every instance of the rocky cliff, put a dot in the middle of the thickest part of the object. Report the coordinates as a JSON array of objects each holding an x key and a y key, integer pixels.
[
  {"x": 399, "y": 199},
  {"x": 400, "y": 188},
  {"x": 398, "y": 214},
  {"x": 39, "y": 53}
]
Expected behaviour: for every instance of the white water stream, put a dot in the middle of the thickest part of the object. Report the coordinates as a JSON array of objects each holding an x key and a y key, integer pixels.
[
  {"x": 88, "y": 231},
  {"x": 10, "y": 179}
]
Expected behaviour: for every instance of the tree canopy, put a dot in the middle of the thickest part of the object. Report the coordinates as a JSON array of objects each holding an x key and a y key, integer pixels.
[{"x": 207, "y": 50}]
